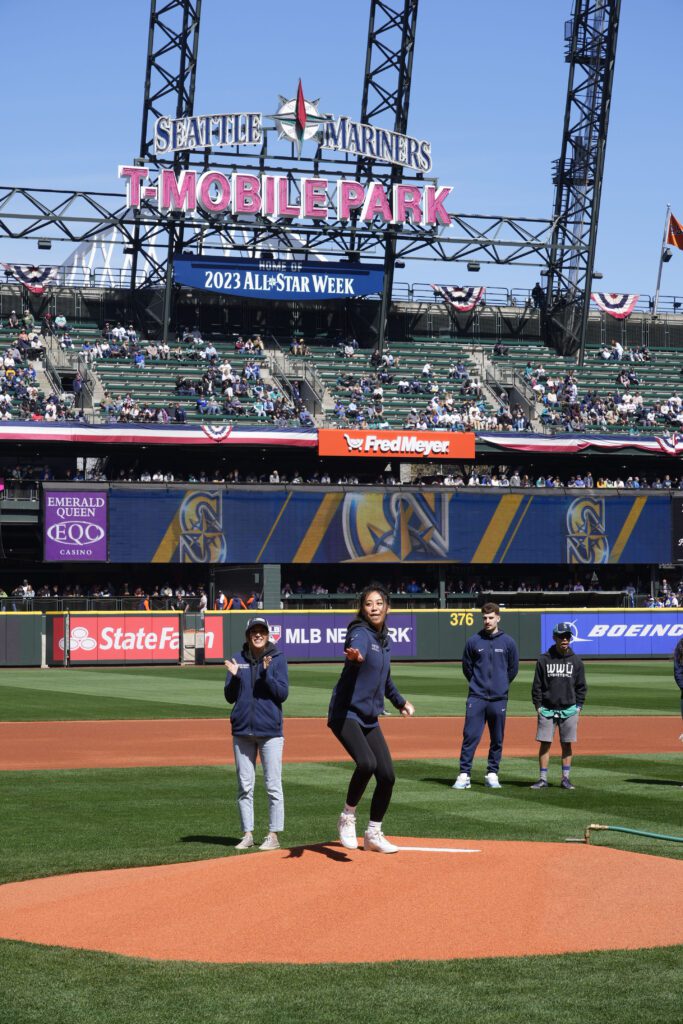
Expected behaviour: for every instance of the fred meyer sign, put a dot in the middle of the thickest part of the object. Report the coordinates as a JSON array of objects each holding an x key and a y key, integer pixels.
[
  {"x": 277, "y": 279},
  {"x": 422, "y": 444}
]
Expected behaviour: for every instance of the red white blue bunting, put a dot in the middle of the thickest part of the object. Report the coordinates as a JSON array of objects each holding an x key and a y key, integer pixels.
[
  {"x": 461, "y": 299},
  {"x": 616, "y": 304},
  {"x": 35, "y": 279}
]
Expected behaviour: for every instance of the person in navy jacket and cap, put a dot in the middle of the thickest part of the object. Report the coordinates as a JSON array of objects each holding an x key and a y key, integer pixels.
[
  {"x": 489, "y": 663},
  {"x": 257, "y": 684},
  {"x": 356, "y": 704}
]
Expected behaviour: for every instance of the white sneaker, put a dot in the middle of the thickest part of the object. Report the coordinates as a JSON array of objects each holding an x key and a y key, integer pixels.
[
  {"x": 462, "y": 781},
  {"x": 491, "y": 780},
  {"x": 376, "y": 842},
  {"x": 346, "y": 827},
  {"x": 271, "y": 842},
  {"x": 246, "y": 842}
]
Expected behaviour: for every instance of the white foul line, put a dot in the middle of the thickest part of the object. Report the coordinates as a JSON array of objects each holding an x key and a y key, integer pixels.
[{"x": 436, "y": 849}]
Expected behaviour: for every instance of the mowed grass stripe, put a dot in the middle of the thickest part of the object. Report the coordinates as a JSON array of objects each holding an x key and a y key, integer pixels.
[
  {"x": 44, "y": 985},
  {"x": 615, "y": 688},
  {"x": 61, "y": 821}
]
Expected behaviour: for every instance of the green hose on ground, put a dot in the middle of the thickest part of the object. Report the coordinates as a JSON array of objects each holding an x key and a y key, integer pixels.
[{"x": 631, "y": 831}]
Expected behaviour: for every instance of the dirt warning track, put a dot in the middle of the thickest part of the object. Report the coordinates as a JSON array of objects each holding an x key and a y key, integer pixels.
[
  {"x": 192, "y": 741},
  {"x": 422, "y": 905}
]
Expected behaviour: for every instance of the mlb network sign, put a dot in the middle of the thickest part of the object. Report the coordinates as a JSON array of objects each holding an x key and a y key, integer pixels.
[
  {"x": 422, "y": 444},
  {"x": 320, "y": 637},
  {"x": 612, "y": 634}
]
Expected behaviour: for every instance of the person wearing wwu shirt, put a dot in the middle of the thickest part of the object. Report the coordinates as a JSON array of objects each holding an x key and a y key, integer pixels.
[
  {"x": 558, "y": 693},
  {"x": 356, "y": 704},
  {"x": 257, "y": 684},
  {"x": 489, "y": 663}
]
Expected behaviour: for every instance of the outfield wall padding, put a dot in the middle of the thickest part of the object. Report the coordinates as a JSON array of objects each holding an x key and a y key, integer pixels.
[
  {"x": 21, "y": 636},
  {"x": 429, "y": 635}
]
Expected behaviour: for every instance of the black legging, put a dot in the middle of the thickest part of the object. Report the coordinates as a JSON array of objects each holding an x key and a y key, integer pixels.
[{"x": 369, "y": 750}]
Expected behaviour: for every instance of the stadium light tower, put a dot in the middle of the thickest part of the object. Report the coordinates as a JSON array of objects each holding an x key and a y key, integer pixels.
[
  {"x": 591, "y": 43},
  {"x": 386, "y": 99},
  {"x": 170, "y": 76}
]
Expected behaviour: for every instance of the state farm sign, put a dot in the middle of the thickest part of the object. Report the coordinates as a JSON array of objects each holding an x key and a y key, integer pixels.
[
  {"x": 114, "y": 638},
  {"x": 421, "y": 444}
]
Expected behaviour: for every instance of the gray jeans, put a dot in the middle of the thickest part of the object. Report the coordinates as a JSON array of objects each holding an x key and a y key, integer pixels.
[{"x": 269, "y": 749}]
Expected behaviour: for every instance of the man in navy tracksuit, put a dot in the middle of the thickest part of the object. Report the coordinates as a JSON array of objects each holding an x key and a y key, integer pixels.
[{"x": 489, "y": 663}]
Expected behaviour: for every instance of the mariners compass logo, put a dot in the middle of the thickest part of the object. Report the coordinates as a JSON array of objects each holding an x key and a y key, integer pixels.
[{"x": 298, "y": 119}]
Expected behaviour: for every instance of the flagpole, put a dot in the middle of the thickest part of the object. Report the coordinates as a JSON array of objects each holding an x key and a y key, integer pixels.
[{"x": 661, "y": 258}]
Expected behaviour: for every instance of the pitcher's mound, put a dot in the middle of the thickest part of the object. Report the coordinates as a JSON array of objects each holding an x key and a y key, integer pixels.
[{"x": 321, "y": 903}]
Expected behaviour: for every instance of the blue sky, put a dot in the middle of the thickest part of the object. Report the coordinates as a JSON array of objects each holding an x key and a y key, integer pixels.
[{"x": 488, "y": 91}]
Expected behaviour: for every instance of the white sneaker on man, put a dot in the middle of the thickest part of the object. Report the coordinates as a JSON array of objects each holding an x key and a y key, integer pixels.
[
  {"x": 462, "y": 781},
  {"x": 346, "y": 827},
  {"x": 491, "y": 780},
  {"x": 375, "y": 841}
]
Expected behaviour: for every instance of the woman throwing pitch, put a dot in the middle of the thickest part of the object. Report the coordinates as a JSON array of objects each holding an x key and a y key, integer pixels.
[{"x": 357, "y": 701}]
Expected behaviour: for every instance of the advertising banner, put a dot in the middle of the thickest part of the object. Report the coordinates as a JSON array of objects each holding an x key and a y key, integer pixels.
[
  {"x": 213, "y": 637},
  {"x": 278, "y": 279},
  {"x": 75, "y": 526},
  {"x": 677, "y": 529},
  {"x": 114, "y": 638},
  {"x": 403, "y": 525},
  {"x": 318, "y": 636},
  {"x": 632, "y": 633},
  {"x": 385, "y": 443}
]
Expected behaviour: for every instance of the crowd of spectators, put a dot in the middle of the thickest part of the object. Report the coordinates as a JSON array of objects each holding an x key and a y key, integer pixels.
[
  {"x": 662, "y": 595},
  {"x": 222, "y": 390},
  {"x": 455, "y": 403},
  {"x": 458, "y": 476},
  {"x": 182, "y": 596},
  {"x": 561, "y": 403}
]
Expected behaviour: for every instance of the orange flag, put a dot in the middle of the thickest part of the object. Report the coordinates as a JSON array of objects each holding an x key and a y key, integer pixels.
[{"x": 675, "y": 235}]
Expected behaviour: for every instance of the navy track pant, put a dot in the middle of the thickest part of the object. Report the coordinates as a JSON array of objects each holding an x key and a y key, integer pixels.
[{"x": 479, "y": 713}]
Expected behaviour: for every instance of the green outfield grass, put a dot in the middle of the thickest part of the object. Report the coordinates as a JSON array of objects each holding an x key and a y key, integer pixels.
[
  {"x": 82, "y": 820},
  {"x": 60, "y": 821},
  {"x": 87, "y": 819},
  {"x": 59, "y": 986},
  {"x": 615, "y": 688}
]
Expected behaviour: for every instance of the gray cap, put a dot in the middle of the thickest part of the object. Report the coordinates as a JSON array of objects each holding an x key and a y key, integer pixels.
[{"x": 563, "y": 627}]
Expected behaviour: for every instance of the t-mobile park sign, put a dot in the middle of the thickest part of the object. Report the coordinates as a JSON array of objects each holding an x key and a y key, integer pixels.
[
  {"x": 298, "y": 121},
  {"x": 75, "y": 526}
]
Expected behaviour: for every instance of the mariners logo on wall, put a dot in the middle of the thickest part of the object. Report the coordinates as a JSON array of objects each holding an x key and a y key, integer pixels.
[{"x": 396, "y": 527}]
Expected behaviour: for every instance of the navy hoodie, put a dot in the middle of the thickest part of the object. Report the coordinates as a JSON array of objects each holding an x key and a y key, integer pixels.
[
  {"x": 258, "y": 693},
  {"x": 362, "y": 686},
  {"x": 489, "y": 663}
]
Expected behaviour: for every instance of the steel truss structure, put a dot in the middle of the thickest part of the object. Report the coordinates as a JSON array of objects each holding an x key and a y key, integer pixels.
[
  {"x": 591, "y": 43},
  {"x": 564, "y": 245}
]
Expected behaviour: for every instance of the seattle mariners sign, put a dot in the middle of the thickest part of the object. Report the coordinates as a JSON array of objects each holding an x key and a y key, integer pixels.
[{"x": 298, "y": 121}]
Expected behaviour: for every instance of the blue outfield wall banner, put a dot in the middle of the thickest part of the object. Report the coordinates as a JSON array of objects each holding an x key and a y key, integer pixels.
[
  {"x": 637, "y": 633},
  {"x": 300, "y": 280},
  {"x": 319, "y": 636},
  {"x": 205, "y": 524}
]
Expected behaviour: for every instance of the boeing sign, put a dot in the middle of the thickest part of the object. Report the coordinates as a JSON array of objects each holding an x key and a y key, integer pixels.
[{"x": 613, "y": 634}]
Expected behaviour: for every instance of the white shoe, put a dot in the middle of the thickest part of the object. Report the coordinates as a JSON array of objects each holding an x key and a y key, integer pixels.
[
  {"x": 346, "y": 827},
  {"x": 462, "y": 781},
  {"x": 491, "y": 780},
  {"x": 376, "y": 842},
  {"x": 246, "y": 842},
  {"x": 271, "y": 842}
]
